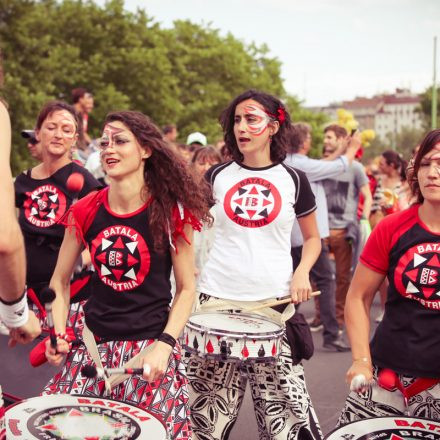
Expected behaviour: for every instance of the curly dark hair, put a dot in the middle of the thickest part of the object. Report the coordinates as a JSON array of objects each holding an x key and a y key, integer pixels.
[
  {"x": 272, "y": 106},
  {"x": 428, "y": 143},
  {"x": 166, "y": 177}
]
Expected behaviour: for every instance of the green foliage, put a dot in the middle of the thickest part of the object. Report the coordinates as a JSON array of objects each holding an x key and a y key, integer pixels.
[
  {"x": 184, "y": 75},
  {"x": 425, "y": 107}
]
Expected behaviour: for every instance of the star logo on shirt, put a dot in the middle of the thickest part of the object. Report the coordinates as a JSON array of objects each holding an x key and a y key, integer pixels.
[
  {"x": 44, "y": 206},
  {"x": 417, "y": 275},
  {"x": 252, "y": 203},
  {"x": 121, "y": 257}
]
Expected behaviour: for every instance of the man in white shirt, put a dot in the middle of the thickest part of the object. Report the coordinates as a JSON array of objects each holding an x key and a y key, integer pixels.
[{"x": 316, "y": 171}]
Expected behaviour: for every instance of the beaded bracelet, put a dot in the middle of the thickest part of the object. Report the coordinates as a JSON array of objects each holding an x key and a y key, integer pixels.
[
  {"x": 167, "y": 339},
  {"x": 65, "y": 337}
]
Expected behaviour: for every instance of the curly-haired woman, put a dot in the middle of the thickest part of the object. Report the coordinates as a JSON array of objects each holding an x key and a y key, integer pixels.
[
  {"x": 257, "y": 200},
  {"x": 137, "y": 229}
]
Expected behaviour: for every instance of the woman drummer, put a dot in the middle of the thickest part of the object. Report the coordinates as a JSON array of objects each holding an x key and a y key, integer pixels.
[
  {"x": 136, "y": 230},
  {"x": 405, "y": 248},
  {"x": 257, "y": 201},
  {"x": 43, "y": 196}
]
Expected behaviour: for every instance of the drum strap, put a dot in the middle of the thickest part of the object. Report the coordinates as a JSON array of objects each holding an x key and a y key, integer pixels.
[
  {"x": 219, "y": 305},
  {"x": 115, "y": 379}
]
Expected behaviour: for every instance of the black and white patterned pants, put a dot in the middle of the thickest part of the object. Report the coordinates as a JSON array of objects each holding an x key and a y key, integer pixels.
[{"x": 282, "y": 404}]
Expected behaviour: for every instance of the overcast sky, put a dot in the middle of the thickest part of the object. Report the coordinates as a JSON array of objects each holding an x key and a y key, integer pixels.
[{"x": 330, "y": 49}]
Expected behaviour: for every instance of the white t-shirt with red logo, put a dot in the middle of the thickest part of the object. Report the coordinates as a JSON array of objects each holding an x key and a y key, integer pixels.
[{"x": 255, "y": 210}]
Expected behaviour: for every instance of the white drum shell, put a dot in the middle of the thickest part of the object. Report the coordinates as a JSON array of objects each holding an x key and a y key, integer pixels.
[{"x": 246, "y": 337}]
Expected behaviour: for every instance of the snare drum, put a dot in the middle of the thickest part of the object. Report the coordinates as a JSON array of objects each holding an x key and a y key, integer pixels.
[
  {"x": 233, "y": 336},
  {"x": 388, "y": 428},
  {"x": 61, "y": 416}
]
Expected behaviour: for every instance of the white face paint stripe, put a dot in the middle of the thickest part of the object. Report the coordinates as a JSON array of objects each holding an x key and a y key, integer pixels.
[{"x": 262, "y": 119}]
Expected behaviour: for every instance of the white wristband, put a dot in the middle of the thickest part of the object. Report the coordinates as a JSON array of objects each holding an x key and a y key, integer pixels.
[{"x": 15, "y": 315}]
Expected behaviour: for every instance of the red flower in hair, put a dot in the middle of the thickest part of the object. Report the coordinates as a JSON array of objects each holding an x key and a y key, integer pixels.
[{"x": 281, "y": 115}]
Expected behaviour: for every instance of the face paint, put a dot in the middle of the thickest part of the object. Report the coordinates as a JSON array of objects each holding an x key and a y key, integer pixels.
[
  {"x": 257, "y": 119},
  {"x": 433, "y": 155},
  {"x": 68, "y": 128},
  {"x": 108, "y": 137}
]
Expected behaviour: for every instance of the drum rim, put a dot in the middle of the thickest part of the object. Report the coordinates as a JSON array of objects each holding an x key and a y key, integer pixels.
[
  {"x": 260, "y": 335},
  {"x": 90, "y": 397},
  {"x": 375, "y": 418}
]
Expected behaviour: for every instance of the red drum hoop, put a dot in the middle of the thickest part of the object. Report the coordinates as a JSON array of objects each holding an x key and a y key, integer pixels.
[
  {"x": 59, "y": 416},
  {"x": 388, "y": 428}
]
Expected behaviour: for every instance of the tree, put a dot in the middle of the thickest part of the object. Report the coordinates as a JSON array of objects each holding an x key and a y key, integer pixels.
[
  {"x": 184, "y": 75},
  {"x": 425, "y": 107}
]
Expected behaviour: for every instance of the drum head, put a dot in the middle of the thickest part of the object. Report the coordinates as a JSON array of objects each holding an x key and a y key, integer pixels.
[
  {"x": 61, "y": 416},
  {"x": 237, "y": 323},
  {"x": 388, "y": 428}
]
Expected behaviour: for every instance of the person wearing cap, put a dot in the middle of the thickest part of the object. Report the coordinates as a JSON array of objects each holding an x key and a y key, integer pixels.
[
  {"x": 197, "y": 138},
  {"x": 33, "y": 144}
]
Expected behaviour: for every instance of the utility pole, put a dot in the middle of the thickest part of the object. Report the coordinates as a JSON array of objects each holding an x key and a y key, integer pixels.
[{"x": 434, "y": 90}]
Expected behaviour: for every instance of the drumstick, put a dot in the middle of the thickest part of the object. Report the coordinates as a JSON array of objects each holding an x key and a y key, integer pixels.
[
  {"x": 90, "y": 371},
  {"x": 277, "y": 302},
  {"x": 47, "y": 298}
]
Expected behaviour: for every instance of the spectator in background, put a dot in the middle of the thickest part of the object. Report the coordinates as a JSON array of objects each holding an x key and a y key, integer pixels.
[
  {"x": 203, "y": 159},
  {"x": 170, "y": 133},
  {"x": 196, "y": 138},
  {"x": 83, "y": 103},
  {"x": 321, "y": 273},
  {"x": 33, "y": 144},
  {"x": 342, "y": 193}
]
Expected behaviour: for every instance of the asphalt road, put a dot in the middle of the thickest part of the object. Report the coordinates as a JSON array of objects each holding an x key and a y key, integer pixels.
[{"x": 324, "y": 376}]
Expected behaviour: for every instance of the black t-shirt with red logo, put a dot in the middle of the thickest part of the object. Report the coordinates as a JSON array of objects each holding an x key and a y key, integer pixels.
[
  {"x": 408, "y": 338},
  {"x": 41, "y": 204},
  {"x": 130, "y": 288}
]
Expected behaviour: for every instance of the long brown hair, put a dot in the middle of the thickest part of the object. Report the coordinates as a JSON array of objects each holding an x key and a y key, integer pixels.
[{"x": 166, "y": 178}]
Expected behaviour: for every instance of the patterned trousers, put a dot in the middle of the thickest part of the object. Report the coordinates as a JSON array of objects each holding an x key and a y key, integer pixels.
[
  {"x": 282, "y": 403},
  {"x": 166, "y": 398},
  {"x": 378, "y": 402}
]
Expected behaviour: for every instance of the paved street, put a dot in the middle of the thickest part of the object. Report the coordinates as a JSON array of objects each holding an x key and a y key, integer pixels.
[{"x": 324, "y": 374}]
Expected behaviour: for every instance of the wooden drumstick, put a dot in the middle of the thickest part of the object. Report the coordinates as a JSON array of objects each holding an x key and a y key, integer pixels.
[{"x": 277, "y": 302}]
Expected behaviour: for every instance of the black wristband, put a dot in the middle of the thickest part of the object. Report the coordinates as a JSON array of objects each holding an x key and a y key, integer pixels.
[
  {"x": 167, "y": 339},
  {"x": 15, "y": 301}
]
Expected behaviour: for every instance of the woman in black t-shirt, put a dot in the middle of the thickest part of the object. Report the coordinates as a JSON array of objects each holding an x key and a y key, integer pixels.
[
  {"x": 136, "y": 230},
  {"x": 42, "y": 195},
  {"x": 403, "y": 354}
]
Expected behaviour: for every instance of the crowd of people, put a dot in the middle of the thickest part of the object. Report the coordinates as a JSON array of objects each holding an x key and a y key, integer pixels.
[{"x": 248, "y": 219}]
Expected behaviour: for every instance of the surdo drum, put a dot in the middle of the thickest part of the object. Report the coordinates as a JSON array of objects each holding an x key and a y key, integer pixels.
[
  {"x": 233, "y": 336},
  {"x": 74, "y": 417},
  {"x": 388, "y": 428}
]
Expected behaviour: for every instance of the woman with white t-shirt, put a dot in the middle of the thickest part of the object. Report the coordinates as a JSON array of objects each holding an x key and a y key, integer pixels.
[{"x": 257, "y": 200}]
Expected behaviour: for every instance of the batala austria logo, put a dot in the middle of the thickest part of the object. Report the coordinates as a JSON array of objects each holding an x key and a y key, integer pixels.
[
  {"x": 417, "y": 274},
  {"x": 252, "y": 202},
  {"x": 44, "y": 206},
  {"x": 121, "y": 257}
]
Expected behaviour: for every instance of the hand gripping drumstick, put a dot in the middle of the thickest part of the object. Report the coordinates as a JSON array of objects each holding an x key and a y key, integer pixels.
[
  {"x": 47, "y": 298},
  {"x": 278, "y": 302},
  {"x": 90, "y": 371}
]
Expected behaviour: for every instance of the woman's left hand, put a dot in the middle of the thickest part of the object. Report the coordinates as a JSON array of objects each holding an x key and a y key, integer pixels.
[
  {"x": 157, "y": 360},
  {"x": 300, "y": 287}
]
